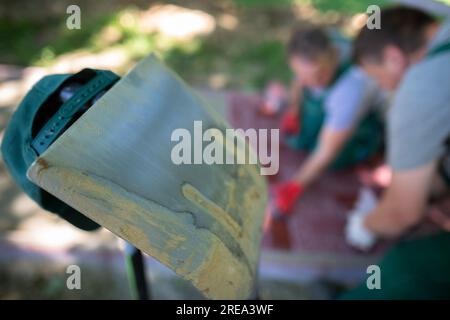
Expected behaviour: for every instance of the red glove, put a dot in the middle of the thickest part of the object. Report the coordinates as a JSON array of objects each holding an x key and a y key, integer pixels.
[
  {"x": 290, "y": 123},
  {"x": 286, "y": 194}
]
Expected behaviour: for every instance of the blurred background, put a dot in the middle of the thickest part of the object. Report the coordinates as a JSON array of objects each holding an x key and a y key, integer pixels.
[{"x": 215, "y": 46}]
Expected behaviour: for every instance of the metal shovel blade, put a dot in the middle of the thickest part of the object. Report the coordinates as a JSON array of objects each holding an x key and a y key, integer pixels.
[{"x": 114, "y": 165}]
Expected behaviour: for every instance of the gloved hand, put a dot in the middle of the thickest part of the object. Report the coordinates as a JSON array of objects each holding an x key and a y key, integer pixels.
[
  {"x": 286, "y": 194},
  {"x": 290, "y": 123},
  {"x": 356, "y": 234}
]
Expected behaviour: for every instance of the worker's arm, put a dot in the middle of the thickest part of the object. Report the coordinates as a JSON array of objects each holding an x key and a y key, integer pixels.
[
  {"x": 403, "y": 203},
  {"x": 330, "y": 143}
]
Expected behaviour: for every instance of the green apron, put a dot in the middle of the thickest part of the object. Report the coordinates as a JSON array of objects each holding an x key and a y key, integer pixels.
[{"x": 365, "y": 141}]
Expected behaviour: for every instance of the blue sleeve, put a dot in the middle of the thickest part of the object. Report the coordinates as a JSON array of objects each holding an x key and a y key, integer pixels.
[{"x": 351, "y": 97}]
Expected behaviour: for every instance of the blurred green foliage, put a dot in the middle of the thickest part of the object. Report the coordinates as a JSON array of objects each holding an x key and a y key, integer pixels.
[
  {"x": 36, "y": 42},
  {"x": 242, "y": 61},
  {"x": 347, "y": 6}
]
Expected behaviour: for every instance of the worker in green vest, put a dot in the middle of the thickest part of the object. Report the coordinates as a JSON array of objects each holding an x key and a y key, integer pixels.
[
  {"x": 333, "y": 111},
  {"x": 411, "y": 54}
]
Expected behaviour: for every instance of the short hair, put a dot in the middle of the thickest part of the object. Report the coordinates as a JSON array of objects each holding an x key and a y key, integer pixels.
[
  {"x": 401, "y": 26},
  {"x": 309, "y": 42}
]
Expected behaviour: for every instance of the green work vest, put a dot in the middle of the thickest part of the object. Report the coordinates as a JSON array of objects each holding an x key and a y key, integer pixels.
[{"x": 364, "y": 142}]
